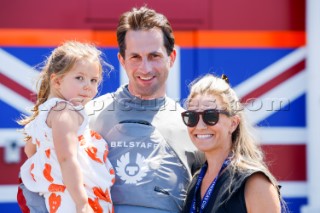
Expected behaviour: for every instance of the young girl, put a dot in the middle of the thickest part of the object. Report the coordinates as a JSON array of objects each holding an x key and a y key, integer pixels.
[{"x": 70, "y": 166}]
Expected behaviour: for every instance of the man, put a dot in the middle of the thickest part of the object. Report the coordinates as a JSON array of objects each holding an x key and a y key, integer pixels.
[
  {"x": 149, "y": 147},
  {"x": 150, "y": 150}
]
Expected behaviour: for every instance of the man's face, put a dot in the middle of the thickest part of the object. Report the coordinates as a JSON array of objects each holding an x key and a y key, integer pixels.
[{"x": 147, "y": 63}]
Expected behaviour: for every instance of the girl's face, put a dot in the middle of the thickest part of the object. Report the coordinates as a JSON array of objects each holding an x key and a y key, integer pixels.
[
  {"x": 211, "y": 138},
  {"x": 80, "y": 84}
]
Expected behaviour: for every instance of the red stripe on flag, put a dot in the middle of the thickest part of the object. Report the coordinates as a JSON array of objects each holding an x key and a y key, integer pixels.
[
  {"x": 286, "y": 162},
  {"x": 10, "y": 171},
  {"x": 275, "y": 81},
  {"x": 28, "y": 94}
]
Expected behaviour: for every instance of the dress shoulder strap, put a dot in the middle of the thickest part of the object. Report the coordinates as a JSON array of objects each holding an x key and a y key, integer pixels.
[{"x": 52, "y": 102}]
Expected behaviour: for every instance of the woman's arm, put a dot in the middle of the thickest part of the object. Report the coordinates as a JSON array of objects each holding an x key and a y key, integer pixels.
[
  {"x": 260, "y": 195},
  {"x": 65, "y": 124}
]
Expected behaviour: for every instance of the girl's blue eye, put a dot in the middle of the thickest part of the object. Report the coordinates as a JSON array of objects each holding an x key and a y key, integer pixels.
[{"x": 79, "y": 77}]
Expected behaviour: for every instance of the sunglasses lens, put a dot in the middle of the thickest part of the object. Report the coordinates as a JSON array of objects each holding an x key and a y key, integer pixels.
[
  {"x": 190, "y": 118},
  {"x": 210, "y": 117}
]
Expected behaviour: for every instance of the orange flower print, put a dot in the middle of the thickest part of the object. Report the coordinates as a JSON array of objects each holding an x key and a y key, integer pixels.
[
  {"x": 95, "y": 205},
  {"x": 47, "y": 172},
  {"x": 54, "y": 202},
  {"x": 48, "y": 153},
  {"x": 102, "y": 195},
  {"x": 105, "y": 155},
  {"x": 32, "y": 175},
  {"x": 92, "y": 152},
  {"x": 111, "y": 170},
  {"x": 95, "y": 134},
  {"x": 81, "y": 140},
  {"x": 56, "y": 187}
]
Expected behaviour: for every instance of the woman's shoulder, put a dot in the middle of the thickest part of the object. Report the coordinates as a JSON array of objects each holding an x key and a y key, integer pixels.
[
  {"x": 231, "y": 186},
  {"x": 233, "y": 181},
  {"x": 261, "y": 194}
]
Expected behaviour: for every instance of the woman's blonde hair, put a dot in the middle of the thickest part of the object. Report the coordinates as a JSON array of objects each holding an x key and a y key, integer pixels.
[
  {"x": 61, "y": 61},
  {"x": 245, "y": 153}
]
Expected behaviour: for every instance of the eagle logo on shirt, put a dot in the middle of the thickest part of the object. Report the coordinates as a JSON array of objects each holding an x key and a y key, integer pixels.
[{"x": 131, "y": 172}]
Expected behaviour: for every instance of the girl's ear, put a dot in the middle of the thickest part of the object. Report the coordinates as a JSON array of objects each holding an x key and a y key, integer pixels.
[{"x": 55, "y": 80}]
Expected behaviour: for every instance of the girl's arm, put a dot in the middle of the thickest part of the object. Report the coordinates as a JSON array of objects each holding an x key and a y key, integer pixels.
[
  {"x": 30, "y": 148},
  {"x": 65, "y": 124},
  {"x": 260, "y": 195}
]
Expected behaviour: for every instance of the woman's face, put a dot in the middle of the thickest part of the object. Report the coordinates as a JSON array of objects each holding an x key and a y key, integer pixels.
[{"x": 211, "y": 138}]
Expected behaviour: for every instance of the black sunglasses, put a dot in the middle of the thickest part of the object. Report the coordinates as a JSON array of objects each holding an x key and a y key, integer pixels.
[{"x": 209, "y": 117}]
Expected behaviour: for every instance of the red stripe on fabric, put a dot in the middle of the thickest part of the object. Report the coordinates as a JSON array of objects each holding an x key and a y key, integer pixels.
[
  {"x": 28, "y": 94},
  {"x": 286, "y": 162},
  {"x": 274, "y": 82}
]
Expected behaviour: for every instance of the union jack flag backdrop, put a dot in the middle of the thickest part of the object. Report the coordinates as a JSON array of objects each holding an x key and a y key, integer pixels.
[{"x": 271, "y": 80}]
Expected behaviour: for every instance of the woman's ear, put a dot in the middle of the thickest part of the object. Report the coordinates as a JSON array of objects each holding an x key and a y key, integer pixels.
[{"x": 235, "y": 123}]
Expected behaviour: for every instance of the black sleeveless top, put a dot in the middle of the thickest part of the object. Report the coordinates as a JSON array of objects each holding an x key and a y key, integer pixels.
[{"x": 218, "y": 202}]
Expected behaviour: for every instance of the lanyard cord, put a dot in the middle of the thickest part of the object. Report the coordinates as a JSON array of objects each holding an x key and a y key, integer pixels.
[{"x": 194, "y": 207}]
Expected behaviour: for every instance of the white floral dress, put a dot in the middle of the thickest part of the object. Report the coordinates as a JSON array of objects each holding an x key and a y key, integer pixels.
[{"x": 41, "y": 172}]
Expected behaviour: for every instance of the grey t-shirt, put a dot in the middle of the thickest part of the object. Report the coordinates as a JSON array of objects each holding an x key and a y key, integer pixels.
[{"x": 150, "y": 150}]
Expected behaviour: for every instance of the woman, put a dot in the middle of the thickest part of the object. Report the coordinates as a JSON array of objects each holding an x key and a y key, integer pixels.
[{"x": 234, "y": 177}]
